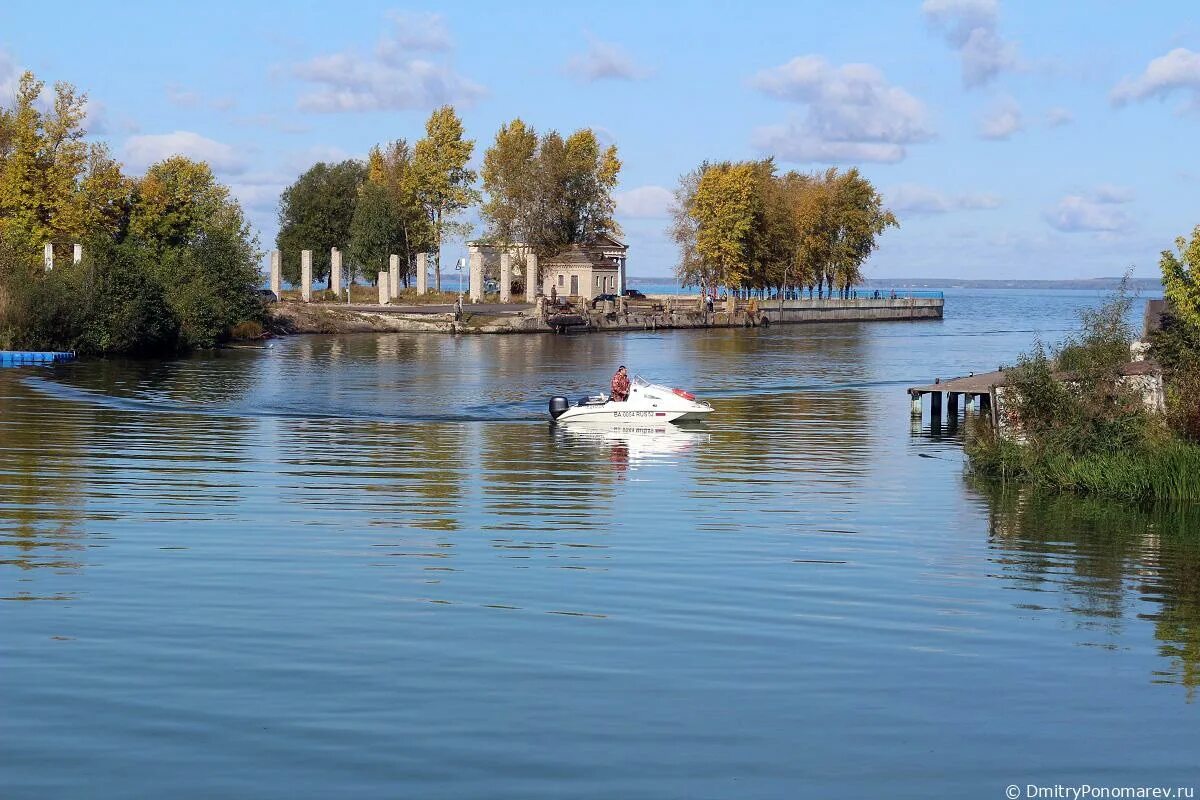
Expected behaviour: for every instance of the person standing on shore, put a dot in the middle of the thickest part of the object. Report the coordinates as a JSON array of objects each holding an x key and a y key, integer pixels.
[{"x": 620, "y": 386}]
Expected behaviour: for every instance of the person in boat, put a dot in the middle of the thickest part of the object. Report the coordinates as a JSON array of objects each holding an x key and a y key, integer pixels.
[{"x": 620, "y": 386}]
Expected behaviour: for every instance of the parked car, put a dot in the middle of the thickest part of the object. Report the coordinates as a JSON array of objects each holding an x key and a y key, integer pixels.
[
  {"x": 628, "y": 294},
  {"x": 603, "y": 298},
  {"x": 266, "y": 295}
]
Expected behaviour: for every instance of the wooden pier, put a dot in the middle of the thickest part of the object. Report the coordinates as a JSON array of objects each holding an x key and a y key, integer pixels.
[
  {"x": 973, "y": 389},
  {"x": 981, "y": 389}
]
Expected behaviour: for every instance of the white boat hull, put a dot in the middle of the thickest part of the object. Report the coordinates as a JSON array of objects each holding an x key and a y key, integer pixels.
[{"x": 648, "y": 403}]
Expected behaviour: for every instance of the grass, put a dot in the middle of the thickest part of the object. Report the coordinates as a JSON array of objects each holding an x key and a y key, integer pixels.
[{"x": 1154, "y": 470}]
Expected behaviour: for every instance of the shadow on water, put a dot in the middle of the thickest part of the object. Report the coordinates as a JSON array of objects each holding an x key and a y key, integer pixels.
[{"x": 1091, "y": 556}]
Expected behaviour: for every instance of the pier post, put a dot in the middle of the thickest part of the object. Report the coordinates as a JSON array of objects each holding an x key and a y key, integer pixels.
[
  {"x": 77, "y": 254},
  {"x": 952, "y": 405},
  {"x": 393, "y": 280},
  {"x": 335, "y": 271},
  {"x": 475, "y": 259},
  {"x": 306, "y": 275},
  {"x": 422, "y": 273},
  {"x": 277, "y": 274},
  {"x": 48, "y": 256},
  {"x": 505, "y": 277},
  {"x": 985, "y": 404},
  {"x": 916, "y": 405},
  {"x": 531, "y": 277},
  {"x": 383, "y": 288},
  {"x": 935, "y": 406}
]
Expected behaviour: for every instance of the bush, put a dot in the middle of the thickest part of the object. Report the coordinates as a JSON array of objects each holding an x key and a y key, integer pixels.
[
  {"x": 245, "y": 331},
  {"x": 106, "y": 305},
  {"x": 1081, "y": 428}
]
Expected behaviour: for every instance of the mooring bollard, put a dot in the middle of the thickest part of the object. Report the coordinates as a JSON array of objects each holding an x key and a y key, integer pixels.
[{"x": 383, "y": 288}]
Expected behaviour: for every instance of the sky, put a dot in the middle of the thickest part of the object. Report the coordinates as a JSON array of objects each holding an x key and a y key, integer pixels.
[{"x": 1013, "y": 140}]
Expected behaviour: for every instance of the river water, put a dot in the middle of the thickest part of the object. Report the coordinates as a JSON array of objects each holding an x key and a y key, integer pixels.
[{"x": 366, "y": 567}]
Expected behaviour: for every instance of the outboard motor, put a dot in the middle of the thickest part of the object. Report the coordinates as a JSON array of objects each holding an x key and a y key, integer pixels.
[{"x": 558, "y": 405}]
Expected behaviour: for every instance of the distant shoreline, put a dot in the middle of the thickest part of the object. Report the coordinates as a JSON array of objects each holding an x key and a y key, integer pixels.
[{"x": 1104, "y": 284}]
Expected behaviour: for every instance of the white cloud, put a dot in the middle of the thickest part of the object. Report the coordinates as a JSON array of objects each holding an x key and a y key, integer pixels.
[
  {"x": 140, "y": 152},
  {"x": 300, "y": 160},
  {"x": 186, "y": 98},
  {"x": 1177, "y": 70},
  {"x": 421, "y": 32},
  {"x": 95, "y": 118},
  {"x": 915, "y": 199},
  {"x": 1059, "y": 116},
  {"x": 10, "y": 75},
  {"x": 644, "y": 202},
  {"x": 259, "y": 192},
  {"x": 1001, "y": 121},
  {"x": 851, "y": 113},
  {"x": 970, "y": 26},
  {"x": 604, "y": 61},
  {"x": 393, "y": 79},
  {"x": 1095, "y": 211}
]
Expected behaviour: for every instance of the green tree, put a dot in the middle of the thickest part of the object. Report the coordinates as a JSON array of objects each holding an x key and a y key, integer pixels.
[
  {"x": 397, "y": 206},
  {"x": 374, "y": 231},
  {"x": 1181, "y": 278},
  {"x": 315, "y": 213},
  {"x": 443, "y": 182},
  {"x": 199, "y": 248}
]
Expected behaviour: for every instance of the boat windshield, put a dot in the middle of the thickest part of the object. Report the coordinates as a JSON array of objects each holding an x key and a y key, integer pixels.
[{"x": 638, "y": 380}]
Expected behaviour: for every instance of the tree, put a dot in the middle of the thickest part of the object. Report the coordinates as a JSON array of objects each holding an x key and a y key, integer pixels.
[
  {"x": 315, "y": 214},
  {"x": 860, "y": 219},
  {"x": 443, "y": 182},
  {"x": 1181, "y": 278},
  {"x": 53, "y": 185},
  {"x": 725, "y": 208},
  {"x": 193, "y": 237},
  {"x": 692, "y": 270},
  {"x": 374, "y": 231},
  {"x": 510, "y": 181},
  {"x": 396, "y": 205}
]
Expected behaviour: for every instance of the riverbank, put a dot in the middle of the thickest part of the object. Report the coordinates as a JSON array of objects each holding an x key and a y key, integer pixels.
[{"x": 653, "y": 313}]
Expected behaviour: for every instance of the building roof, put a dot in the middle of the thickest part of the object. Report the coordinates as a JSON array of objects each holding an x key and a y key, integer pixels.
[{"x": 591, "y": 254}]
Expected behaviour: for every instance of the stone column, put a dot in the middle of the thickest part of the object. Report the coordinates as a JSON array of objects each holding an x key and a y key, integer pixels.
[
  {"x": 531, "y": 278},
  {"x": 335, "y": 270},
  {"x": 621, "y": 276},
  {"x": 277, "y": 274},
  {"x": 505, "y": 277},
  {"x": 422, "y": 273},
  {"x": 475, "y": 256},
  {"x": 393, "y": 274},
  {"x": 306, "y": 275},
  {"x": 48, "y": 256},
  {"x": 77, "y": 254},
  {"x": 384, "y": 288}
]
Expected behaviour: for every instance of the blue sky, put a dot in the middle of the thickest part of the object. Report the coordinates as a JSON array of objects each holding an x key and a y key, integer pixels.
[{"x": 1013, "y": 139}]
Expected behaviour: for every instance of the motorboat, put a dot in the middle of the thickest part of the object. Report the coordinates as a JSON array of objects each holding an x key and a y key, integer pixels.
[{"x": 648, "y": 402}]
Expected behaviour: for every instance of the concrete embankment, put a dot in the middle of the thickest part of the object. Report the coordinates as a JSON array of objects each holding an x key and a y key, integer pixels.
[{"x": 664, "y": 312}]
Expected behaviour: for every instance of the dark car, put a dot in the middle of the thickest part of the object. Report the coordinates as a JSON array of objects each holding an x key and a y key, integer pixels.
[
  {"x": 603, "y": 298},
  {"x": 266, "y": 295},
  {"x": 634, "y": 294}
]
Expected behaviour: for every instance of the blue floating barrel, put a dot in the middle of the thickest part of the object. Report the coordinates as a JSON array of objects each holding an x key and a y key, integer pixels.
[{"x": 16, "y": 358}]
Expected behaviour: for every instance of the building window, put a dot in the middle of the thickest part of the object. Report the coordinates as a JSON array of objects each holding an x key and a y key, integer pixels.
[
  {"x": 599, "y": 282},
  {"x": 560, "y": 279}
]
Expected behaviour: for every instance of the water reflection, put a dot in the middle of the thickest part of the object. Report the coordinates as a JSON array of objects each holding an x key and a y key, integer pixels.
[{"x": 1104, "y": 564}]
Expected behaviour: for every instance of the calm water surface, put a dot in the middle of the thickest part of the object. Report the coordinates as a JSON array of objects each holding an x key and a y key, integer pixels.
[{"x": 366, "y": 567}]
